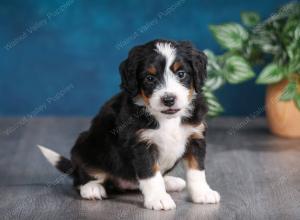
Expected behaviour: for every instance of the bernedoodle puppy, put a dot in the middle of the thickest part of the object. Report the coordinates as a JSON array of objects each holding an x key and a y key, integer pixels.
[{"x": 140, "y": 134}]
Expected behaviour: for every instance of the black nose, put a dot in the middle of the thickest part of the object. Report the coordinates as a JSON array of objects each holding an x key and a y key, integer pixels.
[{"x": 168, "y": 100}]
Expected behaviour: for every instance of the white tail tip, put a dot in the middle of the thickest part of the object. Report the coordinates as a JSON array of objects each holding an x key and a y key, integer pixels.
[{"x": 50, "y": 155}]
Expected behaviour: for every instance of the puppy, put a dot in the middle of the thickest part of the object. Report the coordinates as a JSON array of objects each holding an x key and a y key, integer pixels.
[{"x": 141, "y": 133}]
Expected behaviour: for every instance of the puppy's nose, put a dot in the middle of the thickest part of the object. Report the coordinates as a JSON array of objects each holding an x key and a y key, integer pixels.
[{"x": 168, "y": 100}]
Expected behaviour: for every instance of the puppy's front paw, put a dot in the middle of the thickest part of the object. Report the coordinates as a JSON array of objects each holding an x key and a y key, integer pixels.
[
  {"x": 160, "y": 202},
  {"x": 205, "y": 196},
  {"x": 92, "y": 191}
]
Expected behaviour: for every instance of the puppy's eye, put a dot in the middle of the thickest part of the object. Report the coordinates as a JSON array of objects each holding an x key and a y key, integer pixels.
[
  {"x": 181, "y": 74},
  {"x": 149, "y": 78}
]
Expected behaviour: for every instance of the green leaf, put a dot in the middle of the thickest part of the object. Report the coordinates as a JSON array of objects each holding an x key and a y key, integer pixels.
[
  {"x": 230, "y": 35},
  {"x": 297, "y": 101},
  {"x": 290, "y": 9},
  {"x": 292, "y": 49},
  {"x": 292, "y": 42},
  {"x": 294, "y": 64},
  {"x": 297, "y": 32},
  {"x": 214, "y": 82},
  {"x": 214, "y": 108},
  {"x": 291, "y": 28},
  {"x": 250, "y": 18},
  {"x": 237, "y": 70},
  {"x": 210, "y": 55},
  {"x": 289, "y": 91},
  {"x": 212, "y": 62},
  {"x": 272, "y": 73},
  {"x": 266, "y": 40},
  {"x": 215, "y": 76}
]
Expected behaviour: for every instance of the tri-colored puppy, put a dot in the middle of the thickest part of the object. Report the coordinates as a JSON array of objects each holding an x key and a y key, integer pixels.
[{"x": 142, "y": 132}]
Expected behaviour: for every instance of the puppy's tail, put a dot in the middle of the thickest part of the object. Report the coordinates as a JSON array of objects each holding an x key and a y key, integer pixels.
[{"x": 61, "y": 163}]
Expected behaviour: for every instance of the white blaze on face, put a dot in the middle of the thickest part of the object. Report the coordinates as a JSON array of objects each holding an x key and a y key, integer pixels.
[
  {"x": 168, "y": 51},
  {"x": 171, "y": 83}
]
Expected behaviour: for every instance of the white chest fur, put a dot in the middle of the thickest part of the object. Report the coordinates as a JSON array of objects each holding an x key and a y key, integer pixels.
[{"x": 171, "y": 138}]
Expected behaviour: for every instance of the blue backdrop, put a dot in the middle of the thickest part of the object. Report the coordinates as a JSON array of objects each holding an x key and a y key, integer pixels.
[{"x": 62, "y": 57}]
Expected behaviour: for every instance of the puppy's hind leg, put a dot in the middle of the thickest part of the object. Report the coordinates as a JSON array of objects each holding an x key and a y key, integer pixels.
[
  {"x": 91, "y": 185},
  {"x": 93, "y": 190},
  {"x": 174, "y": 184}
]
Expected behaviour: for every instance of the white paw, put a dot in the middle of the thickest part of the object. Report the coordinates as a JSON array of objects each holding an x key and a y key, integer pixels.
[
  {"x": 92, "y": 190},
  {"x": 206, "y": 195},
  {"x": 160, "y": 202},
  {"x": 174, "y": 184}
]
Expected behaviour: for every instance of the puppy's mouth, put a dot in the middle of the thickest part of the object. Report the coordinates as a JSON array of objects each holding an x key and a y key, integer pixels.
[{"x": 170, "y": 111}]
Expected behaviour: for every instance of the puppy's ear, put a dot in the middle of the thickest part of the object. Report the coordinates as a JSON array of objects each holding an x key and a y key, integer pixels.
[
  {"x": 128, "y": 70},
  {"x": 199, "y": 66},
  {"x": 198, "y": 61}
]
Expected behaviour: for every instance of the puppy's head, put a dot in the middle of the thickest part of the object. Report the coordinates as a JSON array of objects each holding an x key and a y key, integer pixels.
[{"x": 164, "y": 76}]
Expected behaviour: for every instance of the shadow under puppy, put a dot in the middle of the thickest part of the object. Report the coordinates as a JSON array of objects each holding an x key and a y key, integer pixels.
[{"x": 141, "y": 133}]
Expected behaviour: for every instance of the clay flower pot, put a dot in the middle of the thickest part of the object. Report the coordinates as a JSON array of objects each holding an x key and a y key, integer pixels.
[{"x": 283, "y": 117}]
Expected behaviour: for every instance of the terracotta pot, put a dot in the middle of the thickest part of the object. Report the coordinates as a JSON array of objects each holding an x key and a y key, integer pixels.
[{"x": 283, "y": 117}]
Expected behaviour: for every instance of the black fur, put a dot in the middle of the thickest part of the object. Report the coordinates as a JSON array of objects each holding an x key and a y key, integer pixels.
[{"x": 64, "y": 165}]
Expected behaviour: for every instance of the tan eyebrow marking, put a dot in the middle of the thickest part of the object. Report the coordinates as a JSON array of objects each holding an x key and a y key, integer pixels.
[
  {"x": 176, "y": 65},
  {"x": 152, "y": 70}
]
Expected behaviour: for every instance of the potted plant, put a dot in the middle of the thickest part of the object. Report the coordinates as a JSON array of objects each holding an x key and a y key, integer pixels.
[
  {"x": 280, "y": 39},
  {"x": 274, "y": 43}
]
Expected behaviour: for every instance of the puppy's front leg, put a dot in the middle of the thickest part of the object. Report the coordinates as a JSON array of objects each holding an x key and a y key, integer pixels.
[
  {"x": 199, "y": 190},
  {"x": 151, "y": 182}
]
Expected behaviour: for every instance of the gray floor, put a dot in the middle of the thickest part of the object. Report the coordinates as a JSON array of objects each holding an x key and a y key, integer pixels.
[{"x": 257, "y": 175}]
